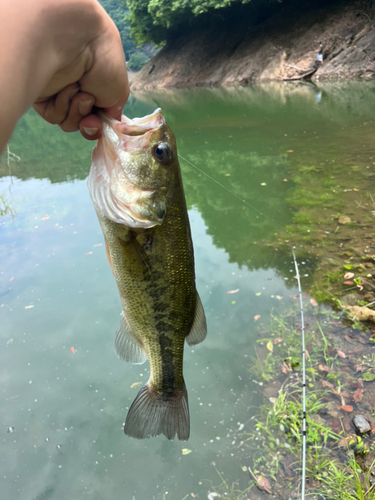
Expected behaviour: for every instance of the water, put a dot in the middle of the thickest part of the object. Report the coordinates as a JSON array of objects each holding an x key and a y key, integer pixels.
[{"x": 62, "y": 412}]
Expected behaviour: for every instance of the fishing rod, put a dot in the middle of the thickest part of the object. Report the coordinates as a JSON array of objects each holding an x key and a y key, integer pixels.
[
  {"x": 303, "y": 381},
  {"x": 303, "y": 481}
]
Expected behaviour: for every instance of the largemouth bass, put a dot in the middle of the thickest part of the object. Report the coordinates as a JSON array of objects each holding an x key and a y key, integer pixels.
[{"x": 135, "y": 185}]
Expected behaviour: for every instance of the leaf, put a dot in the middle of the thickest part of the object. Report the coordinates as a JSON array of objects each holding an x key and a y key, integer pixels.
[
  {"x": 233, "y": 302},
  {"x": 263, "y": 484},
  {"x": 185, "y": 451},
  {"x": 256, "y": 317},
  {"x": 233, "y": 291},
  {"x": 341, "y": 354},
  {"x": 313, "y": 302},
  {"x": 257, "y": 294},
  {"x": 358, "y": 395},
  {"x": 347, "y": 408},
  {"x": 369, "y": 377},
  {"x": 324, "y": 368},
  {"x": 72, "y": 350},
  {"x": 29, "y": 307},
  {"x": 270, "y": 345},
  {"x": 135, "y": 385},
  {"x": 325, "y": 383}
]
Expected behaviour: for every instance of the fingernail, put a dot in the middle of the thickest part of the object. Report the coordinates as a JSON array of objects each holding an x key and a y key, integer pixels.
[
  {"x": 84, "y": 107},
  {"x": 90, "y": 131}
]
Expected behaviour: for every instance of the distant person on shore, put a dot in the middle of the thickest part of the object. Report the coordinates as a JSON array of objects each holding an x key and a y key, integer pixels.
[
  {"x": 319, "y": 54},
  {"x": 62, "y": 57}
]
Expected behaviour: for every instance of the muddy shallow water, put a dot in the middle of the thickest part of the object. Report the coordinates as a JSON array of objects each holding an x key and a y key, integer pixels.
[{"x": 284, "y": 150}]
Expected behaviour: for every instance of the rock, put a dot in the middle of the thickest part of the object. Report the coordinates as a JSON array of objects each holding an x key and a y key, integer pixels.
[
  {"x": 351, "y": 299},
  {"x": 344, "y": 219},
  {"x": 272, "y": 390},
  {"x": 361, "y": 424},
  {"x": 360, "y": 313}
]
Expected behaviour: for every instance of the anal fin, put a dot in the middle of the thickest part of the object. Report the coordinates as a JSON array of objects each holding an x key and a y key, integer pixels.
[
  {"x": 198, "y": 331},
  {"x": 127, "y": 346}
]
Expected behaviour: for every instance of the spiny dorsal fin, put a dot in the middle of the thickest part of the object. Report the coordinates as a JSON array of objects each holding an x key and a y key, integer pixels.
[
  {"x": 127, "y": 346},
  {"x": 198, "y": 331}
]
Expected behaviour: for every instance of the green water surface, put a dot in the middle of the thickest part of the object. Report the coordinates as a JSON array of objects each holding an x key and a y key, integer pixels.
[{"x": 62, "y": 413}]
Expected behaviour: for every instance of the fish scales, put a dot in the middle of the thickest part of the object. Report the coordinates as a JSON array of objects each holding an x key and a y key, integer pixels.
[{"x": 152, "y": 261}]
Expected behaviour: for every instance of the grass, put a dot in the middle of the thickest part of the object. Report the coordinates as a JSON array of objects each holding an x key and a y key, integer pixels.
[
  {"x": 274, "y": 436},
  {"x": 347, "y": 483},
  {"x": 5, "y": 206}
]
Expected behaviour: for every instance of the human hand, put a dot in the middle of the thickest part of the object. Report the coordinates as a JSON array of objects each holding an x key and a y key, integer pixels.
[{"x": 91, "y": 69}]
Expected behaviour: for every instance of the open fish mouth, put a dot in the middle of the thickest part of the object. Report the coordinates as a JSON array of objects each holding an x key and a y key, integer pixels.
[{"x": 133, "y": 134}]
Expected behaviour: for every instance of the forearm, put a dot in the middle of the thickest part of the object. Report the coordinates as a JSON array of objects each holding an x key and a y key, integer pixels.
[{"x": 36, "y": 39}]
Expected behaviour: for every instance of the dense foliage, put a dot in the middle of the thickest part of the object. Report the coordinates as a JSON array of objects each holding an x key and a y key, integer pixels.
[
  {"x": 157, "y": 20},
  {"x": 136, "y": 56}
]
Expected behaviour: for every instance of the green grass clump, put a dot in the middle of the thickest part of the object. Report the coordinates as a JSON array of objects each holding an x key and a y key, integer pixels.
[{"x": 5, "y": 206}]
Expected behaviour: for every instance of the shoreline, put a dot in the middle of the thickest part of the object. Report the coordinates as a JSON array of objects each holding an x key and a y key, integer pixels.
[{"x": 284, "y": 46}]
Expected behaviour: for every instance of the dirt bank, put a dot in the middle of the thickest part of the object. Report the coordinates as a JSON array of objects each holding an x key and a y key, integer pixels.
[{"x": 245, "y": 49}]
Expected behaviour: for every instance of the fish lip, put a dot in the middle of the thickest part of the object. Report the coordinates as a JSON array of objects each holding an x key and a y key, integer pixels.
[{"x": 131, "y": 128}]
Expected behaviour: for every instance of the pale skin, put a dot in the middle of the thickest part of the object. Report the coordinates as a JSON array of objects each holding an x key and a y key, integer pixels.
[{"x": 62, "y": 57}]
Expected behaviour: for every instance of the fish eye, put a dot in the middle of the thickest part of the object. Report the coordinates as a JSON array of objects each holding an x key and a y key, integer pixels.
[{"x": 162, "y": 152}]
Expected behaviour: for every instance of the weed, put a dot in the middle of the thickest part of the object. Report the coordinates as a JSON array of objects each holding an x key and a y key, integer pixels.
[{"x": 5, "y": 206}]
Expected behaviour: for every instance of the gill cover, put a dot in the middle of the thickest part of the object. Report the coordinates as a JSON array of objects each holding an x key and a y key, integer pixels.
[{"x": 125, "y": 184}]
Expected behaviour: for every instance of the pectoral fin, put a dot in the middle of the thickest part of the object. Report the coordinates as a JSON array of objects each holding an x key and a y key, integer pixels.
[
  {"x": 198, "y": 331},
  {"x": 127, "y": 346}
]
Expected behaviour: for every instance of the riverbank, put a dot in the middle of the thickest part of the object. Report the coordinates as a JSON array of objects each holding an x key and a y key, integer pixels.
[{"x": 282, "y": 46}]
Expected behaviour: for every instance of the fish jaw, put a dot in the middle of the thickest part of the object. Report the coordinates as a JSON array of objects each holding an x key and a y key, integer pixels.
[{"x": 127, "y": 184}]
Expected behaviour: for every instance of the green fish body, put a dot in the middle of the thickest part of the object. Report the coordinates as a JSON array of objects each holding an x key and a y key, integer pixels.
[{"x": 136, "y": 187}]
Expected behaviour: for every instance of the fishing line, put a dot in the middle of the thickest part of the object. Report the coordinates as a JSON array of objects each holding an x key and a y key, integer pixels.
[
  {"x": 302, "y": 326},
  {"x": 229, "y": 191}
]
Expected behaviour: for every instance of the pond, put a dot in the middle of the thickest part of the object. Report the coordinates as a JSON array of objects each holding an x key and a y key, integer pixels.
[{"x": 64, "y": 393}]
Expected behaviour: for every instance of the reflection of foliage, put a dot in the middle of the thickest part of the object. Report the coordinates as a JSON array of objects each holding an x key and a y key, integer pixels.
[
  {"x": 46, "y": 151},
  {"x": 233, "y": 224},
  {"x": 240, "y": 137}
]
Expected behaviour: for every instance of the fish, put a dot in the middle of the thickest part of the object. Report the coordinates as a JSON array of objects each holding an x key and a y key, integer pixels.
[{"x": 136, "y": 187}]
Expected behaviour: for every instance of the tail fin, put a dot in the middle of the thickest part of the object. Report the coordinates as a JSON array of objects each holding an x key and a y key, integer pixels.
[{"x": 152, "y": 414}]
